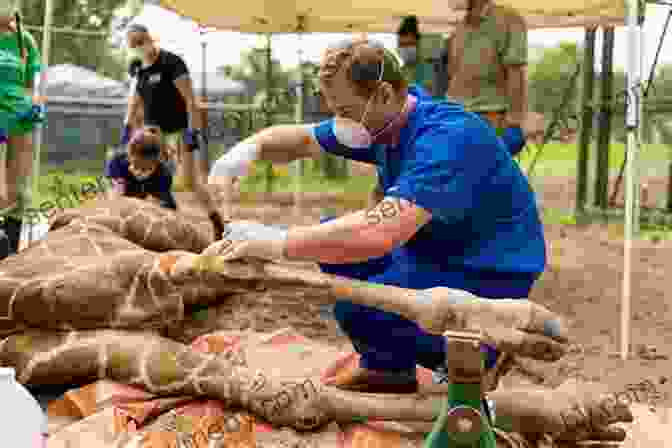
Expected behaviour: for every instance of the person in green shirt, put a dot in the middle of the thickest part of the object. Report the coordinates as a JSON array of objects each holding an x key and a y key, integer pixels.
[
  {"x": 19, "y": 114},
  {"x": 416, "y": 69},
  {"x": 487, "y": 64}
]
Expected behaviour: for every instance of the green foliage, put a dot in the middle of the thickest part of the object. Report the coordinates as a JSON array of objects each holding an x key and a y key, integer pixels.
[
  {"x": 550, "y": 76},
  {"x": 662, "y": 83},
  {"x": 92, "y": 52},
  {"x": 272, "y": 80}
]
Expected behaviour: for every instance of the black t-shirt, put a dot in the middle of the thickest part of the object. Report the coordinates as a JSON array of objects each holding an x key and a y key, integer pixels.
[{"x": 164, "y": 105}]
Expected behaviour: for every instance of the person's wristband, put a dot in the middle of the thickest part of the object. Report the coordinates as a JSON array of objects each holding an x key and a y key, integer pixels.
[
  {"x": 126, "y": 135},
  {"x": 218, "y": 224},
  {"x": 250, "y": 230},
  {"x": 192, "y": 139}
]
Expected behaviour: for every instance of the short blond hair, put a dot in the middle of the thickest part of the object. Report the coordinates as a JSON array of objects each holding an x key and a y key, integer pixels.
[{"x": 360, "y": 54}]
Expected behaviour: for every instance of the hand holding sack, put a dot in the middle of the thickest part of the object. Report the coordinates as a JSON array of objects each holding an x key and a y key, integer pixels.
[{"x": 249, "y": 239}]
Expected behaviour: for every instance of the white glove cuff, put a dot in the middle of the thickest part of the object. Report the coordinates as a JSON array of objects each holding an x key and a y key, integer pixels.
[
  {"x": 248, "y": 230},
  {"x": 236, "y": 162}
]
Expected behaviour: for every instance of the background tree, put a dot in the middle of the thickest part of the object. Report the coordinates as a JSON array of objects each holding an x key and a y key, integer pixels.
[
  {"x": 253, "y": 70},
  {"x": 549, "y": 78},
  {"x": 93, "y": 52}
]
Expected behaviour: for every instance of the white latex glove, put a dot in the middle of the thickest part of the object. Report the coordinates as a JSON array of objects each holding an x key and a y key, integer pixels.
[
  {"x": 227, "y": 169},
  {"x": 249, "y": 239},
  {"x": 235, "y": 163}
]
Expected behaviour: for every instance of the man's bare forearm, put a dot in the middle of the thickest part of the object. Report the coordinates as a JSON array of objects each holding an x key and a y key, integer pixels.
[
  {"x": 517, "y": 91},
  {"x": 132, "y": 116},
  {"x": 204, "y": 197},
  {"x": 337, "y": 241},
  {"x": 186, "y": 88},
  {"x": 358, "y": 236},
  {"x": 194, "y": 114}
]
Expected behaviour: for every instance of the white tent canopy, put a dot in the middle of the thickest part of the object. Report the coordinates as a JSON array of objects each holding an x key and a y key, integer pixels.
[{"x": 278, "y": 16}]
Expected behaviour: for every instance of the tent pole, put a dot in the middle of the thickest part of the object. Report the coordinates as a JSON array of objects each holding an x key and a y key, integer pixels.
[
  {"x": 632, "y": 123},
  {"x": 42, "y": 90},
  {"x": 299, "y": 165},
  {"x": 587, "y": 111},
  {"x": 637, "y": 207}
]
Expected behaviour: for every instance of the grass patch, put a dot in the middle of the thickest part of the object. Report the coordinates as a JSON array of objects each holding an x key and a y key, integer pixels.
[
  {"x": 556, "y": 216},
  {"x": 559, "y": 159},
  {"x": 55, "y": 183},
  {"x": 311, "y": 182},
  {"x": 654, "y": 226}
]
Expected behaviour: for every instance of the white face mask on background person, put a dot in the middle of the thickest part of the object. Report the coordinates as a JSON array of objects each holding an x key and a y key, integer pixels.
[
  {"x": 135, "y": 54},
  {"x": 408, "y": 54}
]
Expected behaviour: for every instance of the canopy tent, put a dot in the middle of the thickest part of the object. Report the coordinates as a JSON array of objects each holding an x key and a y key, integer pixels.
[{"x": 277, "y": 16}]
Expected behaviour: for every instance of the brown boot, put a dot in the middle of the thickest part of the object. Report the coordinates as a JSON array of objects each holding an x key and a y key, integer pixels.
[{"x": 358, "y": 379}]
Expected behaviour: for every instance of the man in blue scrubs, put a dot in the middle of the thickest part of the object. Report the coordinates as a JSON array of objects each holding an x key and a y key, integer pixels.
[{"x": 457, "y": 211}]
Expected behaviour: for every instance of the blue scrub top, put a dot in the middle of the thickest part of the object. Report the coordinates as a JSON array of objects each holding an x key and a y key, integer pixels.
[
  {"x": 485, "y": 222},
  {"x": 420, "y": 93}
]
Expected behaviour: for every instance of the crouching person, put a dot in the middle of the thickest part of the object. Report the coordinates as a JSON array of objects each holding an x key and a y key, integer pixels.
[{"x": 140, "y": 170}]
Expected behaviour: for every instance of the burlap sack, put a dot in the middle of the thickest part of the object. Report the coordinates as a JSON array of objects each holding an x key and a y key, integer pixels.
[{"x": 143, "y": 223}]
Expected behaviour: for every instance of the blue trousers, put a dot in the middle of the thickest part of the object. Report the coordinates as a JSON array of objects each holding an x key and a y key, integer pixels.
[{"x": 387, "y": 341}]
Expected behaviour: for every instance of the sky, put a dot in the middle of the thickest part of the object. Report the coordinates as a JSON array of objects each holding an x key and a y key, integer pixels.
[{"x": 225, "y": 47}]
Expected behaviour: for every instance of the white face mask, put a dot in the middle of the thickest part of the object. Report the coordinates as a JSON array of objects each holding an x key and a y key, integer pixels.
[
  {"x": 135, "y": 54},
  {"x": 354, "y": 134}
]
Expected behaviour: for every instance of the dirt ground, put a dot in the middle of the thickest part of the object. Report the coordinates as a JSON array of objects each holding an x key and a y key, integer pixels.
[{"x": 583, "y": 283}]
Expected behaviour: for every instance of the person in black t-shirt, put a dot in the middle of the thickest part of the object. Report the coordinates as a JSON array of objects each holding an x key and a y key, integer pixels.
[
  {"x": 163, "y": 94},
  {"x": 139, "y": 171}
]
